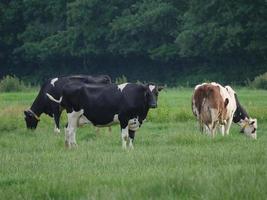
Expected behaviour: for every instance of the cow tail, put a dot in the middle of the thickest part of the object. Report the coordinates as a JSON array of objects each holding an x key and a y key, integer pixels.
[{"x": 53, "y": 99}]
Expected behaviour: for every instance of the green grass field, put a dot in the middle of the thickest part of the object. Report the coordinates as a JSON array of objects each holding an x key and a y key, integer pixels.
[{"x": 171, "y": 159}]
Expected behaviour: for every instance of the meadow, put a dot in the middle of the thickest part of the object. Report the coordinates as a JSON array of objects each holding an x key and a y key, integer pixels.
[{"x": 171, "y": 159}]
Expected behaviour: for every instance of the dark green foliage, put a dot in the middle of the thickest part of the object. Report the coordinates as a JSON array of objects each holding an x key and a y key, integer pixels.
[{"x": 155, "y": 40}]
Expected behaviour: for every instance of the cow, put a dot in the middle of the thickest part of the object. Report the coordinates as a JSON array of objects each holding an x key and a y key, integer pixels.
[
  {"x": 248, "y": 125},
  {"x": 209, "y": 107},
  {"x": 215, "y": 105},
  {"x": 54, "y": 86},
  {"x": 103, "y": 105}
]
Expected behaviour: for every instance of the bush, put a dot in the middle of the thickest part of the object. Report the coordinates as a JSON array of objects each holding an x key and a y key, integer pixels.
[
  {"x": 260, "y": 81},
  {"x": 11, "y": 84}
]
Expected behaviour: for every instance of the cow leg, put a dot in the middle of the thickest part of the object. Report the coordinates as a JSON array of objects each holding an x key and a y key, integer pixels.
[
  {"x": 56, "y": 129},
  {"x": 222, "y": 129},
  {"x": 67, "y": 137},
  {"x": 211, "y": 129},
  {"x": 73, "y": 119},
  {"x": 56, "y": 114},
  {"x": 228, "y": 125},
  {"x": 131, "y": 138},
  {"x": 72, "y": 137},
  {"x": 124, "y": 136},
  {"x": 97, "y": 130},
  {"x": 214, "y": 126},
  {"x": 201, "y": 127},
  {"x": 124, "y": 133}
]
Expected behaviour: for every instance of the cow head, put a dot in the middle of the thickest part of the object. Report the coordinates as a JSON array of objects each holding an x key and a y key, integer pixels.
[
  {"x": 31, "y": 119},
  {"x": 249, "y": 127},
  {"x": 152, "y": 92}
]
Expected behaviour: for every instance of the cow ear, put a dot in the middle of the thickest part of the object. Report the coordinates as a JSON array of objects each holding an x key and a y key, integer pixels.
[
  {"x": 160, "y": 88},
  {"x": 226, "y": 102},
  {"x": 251, "y": 123},
  {"x": 25, "y": 112}
]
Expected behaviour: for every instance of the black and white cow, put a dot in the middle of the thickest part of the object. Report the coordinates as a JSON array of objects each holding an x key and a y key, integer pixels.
[
  {"x": 241, "y": 117},
  {"x": 42, "y": 104},
  {"x": 104, "y": 105}
]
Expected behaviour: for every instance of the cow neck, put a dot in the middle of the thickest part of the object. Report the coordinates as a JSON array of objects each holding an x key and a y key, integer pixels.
[
  {"x": 145, "y": 111},
  {"x": 240, "y": 112},
  {"x": 37, "y": 107}
]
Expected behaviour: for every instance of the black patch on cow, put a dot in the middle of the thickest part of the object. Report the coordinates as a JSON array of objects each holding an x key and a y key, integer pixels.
[
  {"x": 131, "y": 134},
  {"x": 42, "y": 104},
  {"x": 240, "y": 112}
]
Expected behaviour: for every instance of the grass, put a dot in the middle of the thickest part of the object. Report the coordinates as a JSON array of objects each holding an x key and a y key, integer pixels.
[{"x": 171, "y": 159}]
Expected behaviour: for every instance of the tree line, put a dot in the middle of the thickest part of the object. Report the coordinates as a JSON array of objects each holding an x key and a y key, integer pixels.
[{"x": 168, "y": 41}]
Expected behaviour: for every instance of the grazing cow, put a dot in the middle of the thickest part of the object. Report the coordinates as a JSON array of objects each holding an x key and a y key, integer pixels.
[
  {"x": 214, "y": 104},
  {"x": 103, "y": 105},
  {"x": 42, "y": 104},
  {"x": 248, "y": 125}
]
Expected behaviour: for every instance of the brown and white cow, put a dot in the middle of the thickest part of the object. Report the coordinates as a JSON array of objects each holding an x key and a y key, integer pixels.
[
  {"x": 215, "y": 105},
  {"x": 209, "y": 107}
]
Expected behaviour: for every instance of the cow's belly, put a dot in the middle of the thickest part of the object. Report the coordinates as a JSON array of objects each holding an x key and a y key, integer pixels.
[
  {"x": 99, "y": 123},
  {"x": 133, "y": 123}
]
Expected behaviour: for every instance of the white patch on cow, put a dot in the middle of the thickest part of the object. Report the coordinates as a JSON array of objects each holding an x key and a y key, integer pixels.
[
  {"x": 214, "y": 122},
  {"x": 249, "y": 127},
  {"x": 152, "y": 87},
  {"x": 222, "y": 127},
  {"x": 70, "y": 132},
  {"x": 124, "y": 137},
  {"x": 134, "y": 124},
  {"x": 122, "y": 86},
  {"x": 116, "y": 118},
  {"x": 53, "y": 81},
  {"x": 56, "y": 130}
]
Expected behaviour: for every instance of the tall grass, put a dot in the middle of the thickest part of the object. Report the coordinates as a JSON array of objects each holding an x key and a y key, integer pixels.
[{"x": 171, "y": 159}]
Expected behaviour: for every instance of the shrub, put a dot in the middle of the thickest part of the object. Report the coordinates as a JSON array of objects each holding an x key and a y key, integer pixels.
[
  {"x": 11, "y": 84},
  {"x": 260, "y": 81}
]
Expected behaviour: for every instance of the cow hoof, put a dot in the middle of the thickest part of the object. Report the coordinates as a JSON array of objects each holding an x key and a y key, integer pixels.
[
  {"x": 131, "y": 147},
  {"x": 124, "y": 147},
  {"x": 67, "y": 144},
  {"x": 56, "y": 130},
  {"x": 73, "y": 145}
]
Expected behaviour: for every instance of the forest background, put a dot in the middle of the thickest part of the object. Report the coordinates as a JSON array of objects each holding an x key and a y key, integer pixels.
[{"x": 175, "y": 42}]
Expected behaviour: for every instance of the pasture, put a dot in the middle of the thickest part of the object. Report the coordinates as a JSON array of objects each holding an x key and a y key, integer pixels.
[{"x": 171, "y": 159}]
